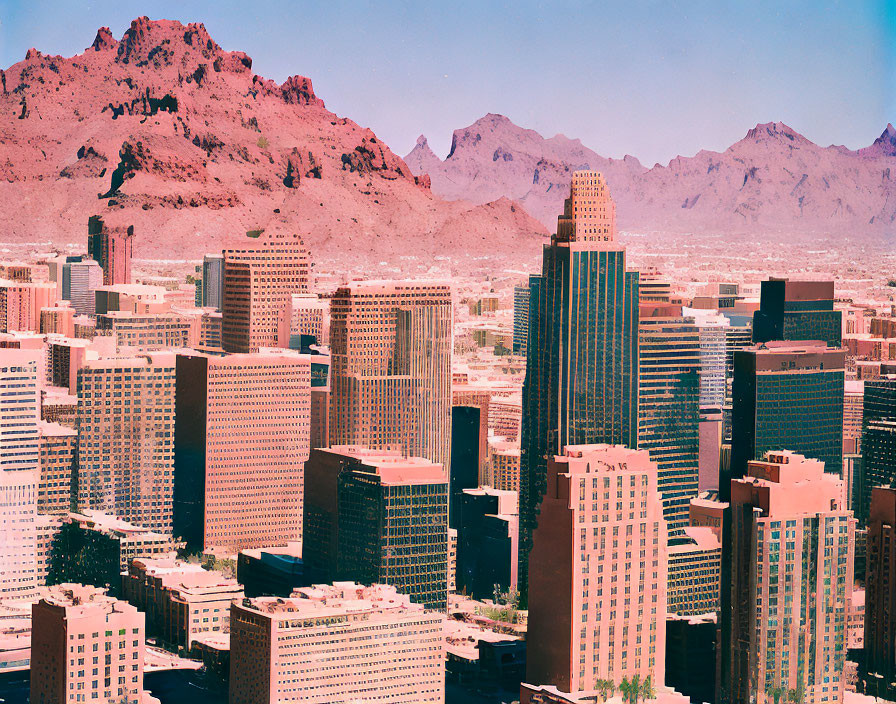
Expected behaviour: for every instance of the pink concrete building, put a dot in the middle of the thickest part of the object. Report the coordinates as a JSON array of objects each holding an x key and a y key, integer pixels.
[
  {"x": 126, "y": 446},
  {"x": 182, "y": 601},
  {"x": 85, "y": 647},
  {"x": 597, "y": 571},
  {"x": 111, "y": 246},
  {"x": 336, "y": 643},
  {"x": 58, "y": 447},
  {"x": 792, "y": 550},
  {"x": 259, "y": 282},
  {"x": 242, "y": 438},
  {"x": 21, "y": 304},
  {"x": 391, "y": 346},
  {"x": 58, "y": 319}
]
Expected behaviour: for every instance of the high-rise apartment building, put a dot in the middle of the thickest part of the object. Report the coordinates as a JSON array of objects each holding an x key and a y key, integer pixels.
[
  {"x": 58, "y": 456},
  {"x": 242, "y": 435},
  {"x": 712, "y": 327},
  {"x": 258, "y": 283},
  {"x": 391, "y": 344},
  {"x": 111, "y": 247},
  {"x": 784, "y": 617},
  {"x": 879, "y": 676},
  {"x": 81, "y": 277},
  {"x": 375, "y": 516},
  {"x": 797, "y": 311},
  {"x": 21, "y": 304},
  {"x": 336, "y": 643},
  {"x": 787, "y": 396},
  {"x": 126, "y": 445},
  {"x": 213, "y": 281},
  {"x": 85, "y": 647},
  {"x": 669, "y": 407},
  {"x": 521, "y": 319},
  {"x": 878, "y": 440},
  {"x": 582, "y": 365},
  {"x": 597, "y": 571},
  {"x": 19, "y": 468}
]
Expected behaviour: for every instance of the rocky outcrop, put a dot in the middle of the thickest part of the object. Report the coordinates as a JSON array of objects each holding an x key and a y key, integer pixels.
[{"x": 206, "y": 150}]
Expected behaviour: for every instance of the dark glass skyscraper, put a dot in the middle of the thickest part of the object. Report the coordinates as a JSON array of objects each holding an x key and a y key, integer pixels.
[
  {"x": 582, "y": 370},
  {"x": 878, "y": 439},
  {"x": 797, "y": 311},
  {"x": 669, "y": 408},
  {"x": 786, "y": 396}
]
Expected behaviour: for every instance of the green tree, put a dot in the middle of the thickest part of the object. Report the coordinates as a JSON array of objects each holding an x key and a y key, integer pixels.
[
  {"x": 647, "y": 689},
  {"x": 795, "y": 695}
]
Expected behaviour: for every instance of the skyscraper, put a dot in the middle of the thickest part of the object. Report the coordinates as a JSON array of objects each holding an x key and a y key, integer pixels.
[
  {"x": 880, "y": 596},
  {"x": 242, "y": 434},
  {"x": 669, "y": 406},
  {"x": 597, "y": 571},
  {"x": 81, "y": 277},
  {"x": 86, "y": 646},
  {"x": 126, "y": 443},
  {"x": 258, "y": 285},
  {"x": 19, "y": 469},
  {"x": 797, "y": 311},
  {"x": 784, "y": 619},
  {"x": 878, "y": 439},
  {"x": 391, "y": 346},
  {"x": 213, "y": 281},
  {"x": 521, "y": 319},
  {"x": 374, "y": 516},
  {"x": 111, "y": 247},
  {"x": 582, "y": 366},
  {"x": 787, "y": 396}
]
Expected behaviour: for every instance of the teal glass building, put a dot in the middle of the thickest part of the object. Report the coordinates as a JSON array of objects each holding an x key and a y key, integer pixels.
[{"x": 582, "y": 365}]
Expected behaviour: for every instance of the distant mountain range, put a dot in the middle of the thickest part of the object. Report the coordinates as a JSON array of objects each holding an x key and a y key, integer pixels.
[
  {"x": 774, "y": 180},
  {"x": 165, "y": 130}
]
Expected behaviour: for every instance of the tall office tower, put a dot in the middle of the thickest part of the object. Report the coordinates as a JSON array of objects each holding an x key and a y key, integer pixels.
[
  {"x": 465, "y": 460},
  {"x": 736, "y": 338},
  {"x": 81, "y": 277},
  {"x": 487, "y": 542},
  {"x": 391, "y": 344},
  {"x": 213, "y": 281},
  {"x": 785, "y": 614},
  {"x": 58, "y": 458},
  {"x": 797, "y": 311},
  {"x": 582, "y": 368},
  {"x": 126, "y": 438},
  {"x": 597, "y": 572},
  {"x": 242, "y": 431},
  {"x": 19, "y": 468},
  {"x": 879, "y": 676},
  {"x": 521, "y": 319},
  {"x": 712, "y": 327},
  {"x": 309, "y": 316},
  {"x": 111, "y": 248},
  {"x": 258, "y": 283},
  {"x": 374, "y": 516},
  {"x": 853, "y": 403},
  {"x": 336, "y": 643},
  {"x": 85, "y": 647},
  {"x": 669, "y": 407},
  {"x": 878, "y": 440},
  {"x": 787, "y": 396}
]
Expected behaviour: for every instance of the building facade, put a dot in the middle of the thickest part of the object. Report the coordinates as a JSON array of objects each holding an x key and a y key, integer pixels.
[
  {"x": 336, "y": 643},
  {"x": 582, "y": 367},
  {"x": 242, "y": 435},
  {"x": 111, "y": 247},
  {"x": 126, "y": 442},
  {"x": 879, "y": 677},
  {"x": 391, "y": 348},
  {"x": 792, "y": 551},
  {"x": 797, "y": 311},
  {"x": 597, "y": 571}
]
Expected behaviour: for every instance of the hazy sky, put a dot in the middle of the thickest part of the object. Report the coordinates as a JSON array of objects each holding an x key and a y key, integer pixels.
[{"x": 653, "y": 79}]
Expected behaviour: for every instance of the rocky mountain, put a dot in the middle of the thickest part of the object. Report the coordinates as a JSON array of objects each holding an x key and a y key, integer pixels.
[
  {"x": 774, "y": 180},
  {"x": 165, "y": 130}
]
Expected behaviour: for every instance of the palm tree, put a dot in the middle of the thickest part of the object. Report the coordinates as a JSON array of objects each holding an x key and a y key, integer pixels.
[
  {"x": 795, "y": 696},
  {"x": 636, "y": 689},
  {"x": 647, "y": 690},
  {"x": 625, "y": 688},
  {"x": 775, "y": 692}
]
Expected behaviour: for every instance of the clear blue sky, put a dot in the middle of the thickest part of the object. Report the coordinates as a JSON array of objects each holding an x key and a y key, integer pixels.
[{"x": 653, "y": 79}]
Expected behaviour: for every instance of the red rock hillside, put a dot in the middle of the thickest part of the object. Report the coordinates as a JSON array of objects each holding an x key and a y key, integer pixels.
[{"x": 167, "y": 131}]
